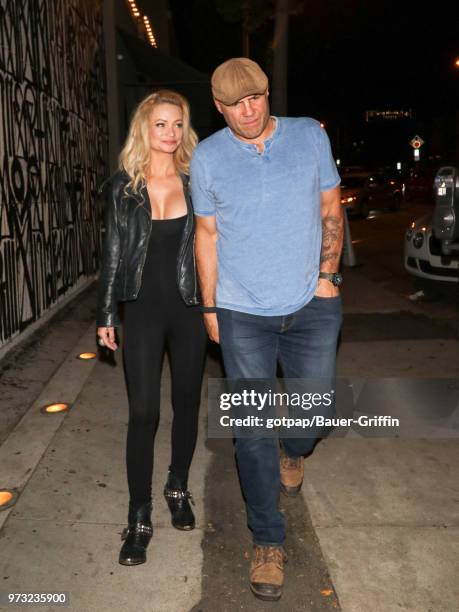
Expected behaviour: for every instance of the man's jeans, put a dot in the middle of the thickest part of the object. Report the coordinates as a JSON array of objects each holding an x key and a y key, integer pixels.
[{"x": 304, "y": 343}]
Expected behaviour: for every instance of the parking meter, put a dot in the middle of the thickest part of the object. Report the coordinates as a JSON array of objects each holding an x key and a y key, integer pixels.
[{"x": 446, "y": 214}]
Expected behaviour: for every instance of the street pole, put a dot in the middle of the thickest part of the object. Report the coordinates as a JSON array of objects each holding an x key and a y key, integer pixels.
[
  {"x": 111, "y": 67},
  {"x": 349, "y": 259}
]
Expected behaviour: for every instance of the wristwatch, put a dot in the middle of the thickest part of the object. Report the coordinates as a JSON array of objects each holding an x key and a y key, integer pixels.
[{"x": 335, "y": 278}]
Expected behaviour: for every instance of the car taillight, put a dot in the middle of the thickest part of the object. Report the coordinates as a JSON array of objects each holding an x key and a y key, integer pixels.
[{"x": 348, "y": 199}]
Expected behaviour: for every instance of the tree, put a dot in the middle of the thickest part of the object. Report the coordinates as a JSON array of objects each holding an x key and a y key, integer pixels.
[
  {"x": 280, "y": 64},
  {"x": 253, "y": 14}
]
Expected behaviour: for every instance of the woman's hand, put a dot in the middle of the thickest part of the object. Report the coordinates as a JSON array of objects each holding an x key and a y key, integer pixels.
[{"x": 106, "y": 337}]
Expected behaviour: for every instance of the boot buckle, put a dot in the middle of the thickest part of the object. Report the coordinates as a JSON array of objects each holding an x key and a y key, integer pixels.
[
  {"x": 137, "y": 529},
  {"x": 178, "y": 494}
]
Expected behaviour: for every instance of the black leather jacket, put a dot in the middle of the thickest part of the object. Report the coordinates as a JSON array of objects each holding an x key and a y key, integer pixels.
[{"x": 127, "y": 231}]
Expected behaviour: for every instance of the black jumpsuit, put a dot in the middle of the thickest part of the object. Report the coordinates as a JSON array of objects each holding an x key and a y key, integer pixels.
[{"x": 158, "y": 320}]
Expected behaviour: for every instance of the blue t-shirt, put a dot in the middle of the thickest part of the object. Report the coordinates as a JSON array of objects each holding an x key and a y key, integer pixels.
[{"x": 267, "y": 209}]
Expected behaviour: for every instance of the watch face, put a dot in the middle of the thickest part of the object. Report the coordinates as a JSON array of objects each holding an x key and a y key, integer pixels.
[{"x": 337, "y": 279}]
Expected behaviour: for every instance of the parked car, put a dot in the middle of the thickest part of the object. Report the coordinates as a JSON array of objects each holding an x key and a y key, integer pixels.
[
  {"x": 362, "y": 192},
  {"x": 423, "y": 254}
]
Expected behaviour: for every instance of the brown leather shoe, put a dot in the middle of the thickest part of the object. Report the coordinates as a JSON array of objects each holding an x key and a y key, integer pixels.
[
  {"x": 267, "y": 572},
  {"x": 291, "y": 474}
]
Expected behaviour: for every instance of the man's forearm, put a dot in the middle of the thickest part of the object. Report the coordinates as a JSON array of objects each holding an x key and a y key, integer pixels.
[
  {"x": 332, "y": 230},
  {"x": 332, "y": 242},
  {"x": 206, "y": 262}
]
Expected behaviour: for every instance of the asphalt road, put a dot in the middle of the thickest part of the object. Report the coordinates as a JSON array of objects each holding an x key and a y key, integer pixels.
[{"x": 378, "y": 243}]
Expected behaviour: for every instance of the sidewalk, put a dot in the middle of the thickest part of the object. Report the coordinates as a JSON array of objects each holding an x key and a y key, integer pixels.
[
  {"x": 385, "y": 510},
  {"x": 374, "y": 531}
]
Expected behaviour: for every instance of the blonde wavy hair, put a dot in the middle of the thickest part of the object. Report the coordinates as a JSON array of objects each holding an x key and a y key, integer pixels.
[{"x": 135, "y": 154}]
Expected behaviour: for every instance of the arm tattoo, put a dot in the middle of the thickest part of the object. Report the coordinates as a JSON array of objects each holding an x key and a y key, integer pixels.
[{"x": 332, "y": 232}]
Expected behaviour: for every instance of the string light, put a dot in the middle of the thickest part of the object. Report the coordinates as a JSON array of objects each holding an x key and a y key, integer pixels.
[
  {"x": 149, "y": 30},
  {"x": 146, "y": 22},
  {"x": 134, "y": 9}
]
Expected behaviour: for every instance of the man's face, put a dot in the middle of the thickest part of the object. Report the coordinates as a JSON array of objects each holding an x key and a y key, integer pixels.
[{"x": 248, "y": 117}]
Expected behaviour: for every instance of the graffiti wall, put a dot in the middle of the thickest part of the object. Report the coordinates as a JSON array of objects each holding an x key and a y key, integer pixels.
[{"x": 53, "y": 140}]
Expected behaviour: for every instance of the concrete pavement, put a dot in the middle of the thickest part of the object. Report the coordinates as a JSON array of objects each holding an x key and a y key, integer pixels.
[{"x": 375, "y": 530}]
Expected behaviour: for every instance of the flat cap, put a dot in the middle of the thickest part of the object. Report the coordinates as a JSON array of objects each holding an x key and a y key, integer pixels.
[{"x": 237, "y": 78}]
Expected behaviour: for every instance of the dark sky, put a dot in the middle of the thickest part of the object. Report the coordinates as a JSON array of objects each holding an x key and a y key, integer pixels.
[
  {"x": 349, "y": 56},
  {"x": 353, "y": 53}
]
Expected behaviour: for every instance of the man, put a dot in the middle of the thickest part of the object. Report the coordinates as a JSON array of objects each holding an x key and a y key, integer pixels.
[{"x": 269, "y": 233}]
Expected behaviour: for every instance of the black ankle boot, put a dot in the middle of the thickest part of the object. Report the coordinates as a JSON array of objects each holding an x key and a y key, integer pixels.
[
  {"x": 137, "y": 535},
  {"x": 177, "y": 497}
]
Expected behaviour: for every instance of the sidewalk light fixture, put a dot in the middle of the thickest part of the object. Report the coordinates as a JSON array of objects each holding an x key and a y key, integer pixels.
[
  {"x": 87, "y": 356},
  {"x": 54, "y": 408},
  {"x": 8, "y": 498}
]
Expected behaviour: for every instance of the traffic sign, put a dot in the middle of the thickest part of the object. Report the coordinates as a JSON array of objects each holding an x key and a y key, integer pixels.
[{"x": 416, "y": 142}]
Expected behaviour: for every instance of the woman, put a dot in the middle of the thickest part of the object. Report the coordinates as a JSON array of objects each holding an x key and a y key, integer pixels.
[{"x": 148, "y": 263}]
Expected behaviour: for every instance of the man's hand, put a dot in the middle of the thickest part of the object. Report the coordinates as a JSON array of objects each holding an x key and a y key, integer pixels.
[
  {"x": 106, "y": 337},
  {"x": 211, "y": 324},
  {"x": 326, "y": 289}
]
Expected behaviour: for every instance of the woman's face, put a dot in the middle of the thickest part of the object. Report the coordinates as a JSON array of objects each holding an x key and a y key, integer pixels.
[{"x": 165, "y": 128}]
